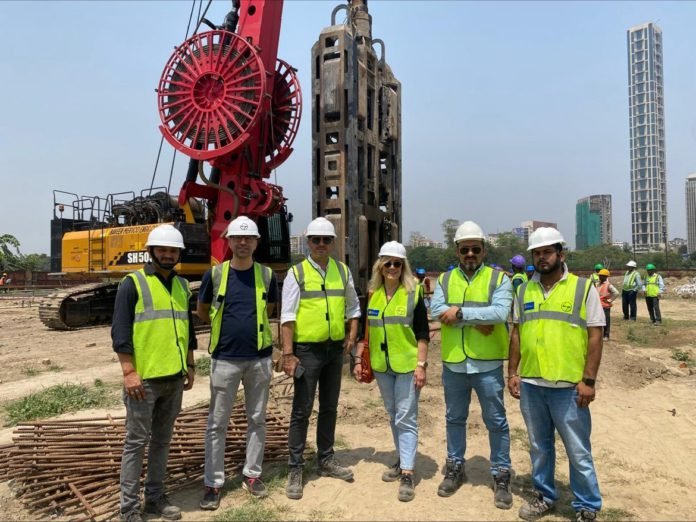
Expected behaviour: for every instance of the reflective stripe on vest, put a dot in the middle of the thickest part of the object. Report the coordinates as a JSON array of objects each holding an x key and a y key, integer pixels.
[
  {"x": 391, "y": 333},
  {"x": 322, "y": 310},
  {"x": 262, "y": 283},
  {"x": 594, "y": 278},
  {"x": 553, "y": 330},
  {"x": 161, "y": 326},
  {"x": 460, "y": 343},
  {"x": 629, "y": 280},
  {"x": 652, "y": 286},
  {"x": 522, "y": 278}
]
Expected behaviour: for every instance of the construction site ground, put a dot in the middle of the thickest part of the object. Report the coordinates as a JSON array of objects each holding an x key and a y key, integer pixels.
[{"x": 644, "y": 441}]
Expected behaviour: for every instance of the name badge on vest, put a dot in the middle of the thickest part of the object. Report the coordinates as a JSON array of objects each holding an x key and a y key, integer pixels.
[
  {"x": 529, "y": 306},
  {"x": 371, "y": 312}
]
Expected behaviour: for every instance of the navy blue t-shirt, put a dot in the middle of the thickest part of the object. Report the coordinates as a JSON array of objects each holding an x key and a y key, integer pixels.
[{"x": 238, "y": 330}]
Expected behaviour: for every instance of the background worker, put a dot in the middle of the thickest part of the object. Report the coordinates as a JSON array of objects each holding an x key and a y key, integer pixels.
[
  {"x": 530, "y": 271},
  {"x": 653, "y": 288},
  {"x": 518, "y": 264},
  {"x": 237, "y": 297},
  {"x": 555, "y": 351},
  {"x": 607, "y": 294},
  {"x": 3, "y": 282},
  {"x": 473, "y": 302},
  {"x": 398, "y": 343},
  {"x": 594, "y": 277},
  {"x": 629, "y": 292},
  {"x": 318, "y": 298},
  {"x": 425, "y": 283},
  {"x": 152, "y": 333}
]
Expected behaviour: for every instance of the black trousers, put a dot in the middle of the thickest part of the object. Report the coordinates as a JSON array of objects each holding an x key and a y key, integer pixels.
[
  {"x": 607, "y": 327},
  {"x": 323, "y": 364},
  {"x": 628, "y": 304},
  {"x": 654, "y": 309}
]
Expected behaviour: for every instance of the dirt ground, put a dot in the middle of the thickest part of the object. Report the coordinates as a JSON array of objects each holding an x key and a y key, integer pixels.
[{"x": 643, "y": 428}]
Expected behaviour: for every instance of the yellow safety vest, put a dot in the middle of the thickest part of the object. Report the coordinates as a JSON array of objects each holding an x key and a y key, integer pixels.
[
  {"x": 460, "y": 343},
  {"x": 262, "y": 282},
  {"x": 321, "y": 315},
  {"x": 553, "y": 330},
  {"x": 652, "y": 288},
  {"x": 391, "y": 335},
  {"x": 518, "y": 277},
  {"x": 629, "y": 280},
  {"x": 161, "y": 326},
  {"x": 594, "y": 278}
]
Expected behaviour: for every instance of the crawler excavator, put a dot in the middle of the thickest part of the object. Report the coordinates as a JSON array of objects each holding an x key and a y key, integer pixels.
[{"x": 224, "y": 99}]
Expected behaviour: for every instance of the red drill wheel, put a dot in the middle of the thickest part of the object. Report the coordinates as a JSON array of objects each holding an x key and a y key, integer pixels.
[
  {"x": 284, "y": 117},
  {"x": 210, "y": 94}
]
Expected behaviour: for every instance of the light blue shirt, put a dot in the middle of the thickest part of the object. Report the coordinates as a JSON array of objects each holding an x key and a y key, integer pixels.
[{"x": 496, "y": 313}]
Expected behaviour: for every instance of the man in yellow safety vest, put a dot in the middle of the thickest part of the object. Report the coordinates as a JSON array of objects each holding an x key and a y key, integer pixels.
[
  {"x": 153, "y": 336},
  {"x": 319, "y": 297},
  {"x": 555, "y": 351},
  {"x": 653, "y": 288}
]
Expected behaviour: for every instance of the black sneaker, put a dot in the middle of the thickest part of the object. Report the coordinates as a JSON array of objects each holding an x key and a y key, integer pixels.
[
  {"x": 331, "y": 468},
  {"x": 255, "y": 486},
  {"x": 454, "y": 478},
  {"x": 211, "y": 499},
  {"x": 293, "y": 489},
  {"x": 502, "y": 498},
  {"x": 585, "y": 516},
  {"x": 131, "y": 516},
  {"x": 392, "y": 474},
  {"x": 407, "y": 489},
  {"x": 162, "y": 507},
  {"x": 535, "y": 508}
]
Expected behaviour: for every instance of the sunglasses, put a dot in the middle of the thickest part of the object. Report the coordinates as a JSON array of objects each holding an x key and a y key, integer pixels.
[
  {"x": 318, "y": 240},
  {"x": 395, "y": 264},
  {"x": 474, "y": 250}
]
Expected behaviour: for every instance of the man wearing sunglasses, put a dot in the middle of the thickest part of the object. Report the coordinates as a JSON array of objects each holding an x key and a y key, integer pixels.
[
  {"x": 472, "y": 302},
  {"x": 319, "y": 297}
]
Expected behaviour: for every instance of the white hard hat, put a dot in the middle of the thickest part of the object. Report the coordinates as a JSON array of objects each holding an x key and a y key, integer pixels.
[
  {"x": 320, "y": 227},
  {"x": 392, "y": 249},
  {"x": 242, "y": 226},
  {"x": 166, "y": 236},
  {"x": 544, "y": 236},
  {"x": 632, "y": 264},
  {"x": 469, "y": 230}
]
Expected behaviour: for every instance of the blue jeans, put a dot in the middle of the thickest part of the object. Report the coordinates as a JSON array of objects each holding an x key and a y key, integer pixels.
[
  {"x": 149, "y": 423},
  {"x": 489, "y": 390},
  {"x": 545, "y": 409},
  {"x": 401, "y": 402},
  {"x": 225, "y": 376}
]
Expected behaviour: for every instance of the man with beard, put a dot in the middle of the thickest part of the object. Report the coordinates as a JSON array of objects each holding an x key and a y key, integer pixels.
[
  {"x": 472, "y": 302},
  {"x": 555, "y": 351},
  {"x": 152, "y": 333}
]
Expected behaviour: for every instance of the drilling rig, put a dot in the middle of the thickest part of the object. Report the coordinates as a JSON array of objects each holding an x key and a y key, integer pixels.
[
  {"x": 224, "y": 98},
  {"x": 356, "y": 140}
]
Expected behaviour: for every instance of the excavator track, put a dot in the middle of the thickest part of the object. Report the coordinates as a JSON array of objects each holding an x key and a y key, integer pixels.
[
  {"x": 87, "y": 306},
  {"x": 81, "y": 306}
]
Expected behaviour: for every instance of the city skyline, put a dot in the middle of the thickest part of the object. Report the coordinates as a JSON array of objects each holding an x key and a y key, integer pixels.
[{"x": 499, "y": 124}]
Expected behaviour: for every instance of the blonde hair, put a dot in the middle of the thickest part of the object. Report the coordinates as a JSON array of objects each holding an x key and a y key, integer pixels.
[{"x": 407, "y": 279}]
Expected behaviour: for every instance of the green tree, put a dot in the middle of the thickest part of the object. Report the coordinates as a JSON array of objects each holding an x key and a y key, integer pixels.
[{"x": 7, "y": 258}]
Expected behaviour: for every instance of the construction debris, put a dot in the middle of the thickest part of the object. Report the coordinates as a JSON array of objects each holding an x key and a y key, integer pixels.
[
  {"x": 70, "y": 468},
  {"x": 687, "y": 291}
]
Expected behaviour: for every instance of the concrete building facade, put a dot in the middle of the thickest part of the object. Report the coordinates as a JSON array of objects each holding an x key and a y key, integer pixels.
[
  {"x": 691, "y": 212},
  {"x": 647, "y": 138},
  {"x": 593, "y": 224}
]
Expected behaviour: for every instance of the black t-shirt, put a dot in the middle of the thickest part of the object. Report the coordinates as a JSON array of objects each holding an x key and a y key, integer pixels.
[{"x": 238, "y": 336}]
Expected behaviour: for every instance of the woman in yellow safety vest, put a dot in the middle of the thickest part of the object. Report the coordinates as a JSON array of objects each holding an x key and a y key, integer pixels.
[{"x": 398, "y": 338}]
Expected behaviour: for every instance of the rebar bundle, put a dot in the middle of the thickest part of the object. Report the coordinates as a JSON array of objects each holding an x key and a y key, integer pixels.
[{"x": 71, "y": 468}]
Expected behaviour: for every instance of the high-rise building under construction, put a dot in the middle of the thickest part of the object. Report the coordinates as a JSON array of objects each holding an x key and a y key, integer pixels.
[
  {"x": 593, "y": 221},
  {"x": 691, "y": 213},
  {"x": 356, "y": 139},
  {"x": 647, "y": 138}
]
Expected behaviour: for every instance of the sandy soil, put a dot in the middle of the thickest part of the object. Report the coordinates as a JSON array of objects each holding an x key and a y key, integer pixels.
[{"x": 643, "y": 433}]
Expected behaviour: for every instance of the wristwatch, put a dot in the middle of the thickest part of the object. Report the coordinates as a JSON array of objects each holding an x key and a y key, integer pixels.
[
  {"x": 588, "y": 381},
  {"x": 423, "y": 364},
  {"x": 460, "y": 315}
]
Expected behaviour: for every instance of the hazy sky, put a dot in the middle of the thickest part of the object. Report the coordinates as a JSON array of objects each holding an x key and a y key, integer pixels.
[{"x": 511, "y": 110}]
